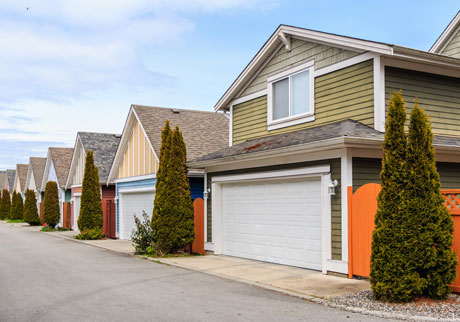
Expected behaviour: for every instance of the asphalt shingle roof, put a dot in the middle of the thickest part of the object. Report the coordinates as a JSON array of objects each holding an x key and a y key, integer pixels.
[
  {"x": 62, "y": 157},
  {"x": 11, "y": 174},
  {"x": 203, "y": 132},
  {"x": 21, "y": 171},
  {"x": 38, "y": 168},
  {"x": 104, "y": 147}
]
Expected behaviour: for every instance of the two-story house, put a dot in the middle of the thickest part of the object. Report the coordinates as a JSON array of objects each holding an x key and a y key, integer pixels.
[{"x": 307, "y": 119}]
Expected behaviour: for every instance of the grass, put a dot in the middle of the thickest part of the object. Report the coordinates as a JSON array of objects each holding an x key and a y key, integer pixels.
[
  {"x": 15, "y": 221},
  {"x": 47, "y": 229}
]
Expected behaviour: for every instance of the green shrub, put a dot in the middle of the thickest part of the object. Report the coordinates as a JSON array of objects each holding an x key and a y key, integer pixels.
[
  {"x": 17, "y": 211},
  {"x": 172, "y": 219},
  {"x": 5, "y": 205},
  {"x": 142, "y": 235},
  {"x": 392, "y": 277},
  {"x": 30, "y": 209},
  {"x": 431, "y": 224},
  {"x": 51, "y": 208},
  {"x": 47, "y": 229},
  {"x": 90, "y": 234},
  {"x": 91, "y": 216}
]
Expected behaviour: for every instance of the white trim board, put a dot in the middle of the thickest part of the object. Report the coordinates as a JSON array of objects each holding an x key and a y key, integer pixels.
[
  {"x": 137, "y": 178},
  {"x": 446, "y": 35},
  {"x": 136, "y": 189}
]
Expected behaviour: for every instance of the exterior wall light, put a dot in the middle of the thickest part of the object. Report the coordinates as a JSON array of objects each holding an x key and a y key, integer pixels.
[
  {"x": 207, "y": 193},
  {"x": 331, "y": 187}
]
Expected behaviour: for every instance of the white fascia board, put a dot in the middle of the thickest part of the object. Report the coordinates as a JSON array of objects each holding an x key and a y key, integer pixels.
[
  {"x": 73, "y": 163},
  {"x": 349, "y": 43},
  {"x": 425, "y": 57},
  {"x": 29, "y": 172},
  {"x": 446, "y": 35},
  {"x": 136, "y": 189},
  {"x": 46, "y": 171}
]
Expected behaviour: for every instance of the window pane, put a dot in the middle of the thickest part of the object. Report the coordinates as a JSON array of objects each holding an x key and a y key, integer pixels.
[
  {"x": 281, "y": 99},
  {"x": 300, "y": 93}
]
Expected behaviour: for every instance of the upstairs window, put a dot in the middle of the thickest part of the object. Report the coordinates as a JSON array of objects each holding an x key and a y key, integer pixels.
[{"x": 291, "y": 96}]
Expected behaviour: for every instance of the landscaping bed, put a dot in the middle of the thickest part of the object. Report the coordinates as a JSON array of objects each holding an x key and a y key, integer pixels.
[{"x": 420, "y": 310}]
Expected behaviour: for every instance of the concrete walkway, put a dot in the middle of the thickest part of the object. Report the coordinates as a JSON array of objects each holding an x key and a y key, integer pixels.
[
  {"x": 287, "y": 279},
  {"x": 295, "y": 281}
]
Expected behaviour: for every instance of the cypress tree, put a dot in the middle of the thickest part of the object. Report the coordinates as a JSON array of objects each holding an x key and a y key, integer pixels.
[
  {"x": 431, "y": 223},
  {"x": 392, "y": 277},
  {"x": 16, "y": 206},
  {"x": 5, "y": 206},
  {"x": 51, "y": 210},
  {"x": 172, "y": 220},
  {"x": 30, "y": 209},
  {"x": 91, "y": 216}
]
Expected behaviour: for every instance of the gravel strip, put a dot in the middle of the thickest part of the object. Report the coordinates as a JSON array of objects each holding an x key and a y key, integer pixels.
[{"x": 421, "y": 310}]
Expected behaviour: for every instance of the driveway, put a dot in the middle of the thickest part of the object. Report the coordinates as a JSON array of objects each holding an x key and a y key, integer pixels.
[{"x": 44, "y": 278}]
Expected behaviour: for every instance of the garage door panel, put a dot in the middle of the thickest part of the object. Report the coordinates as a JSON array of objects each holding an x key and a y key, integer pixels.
[
  {"x": 134, "y": 204},
  {"x": 275, "y": 221}
]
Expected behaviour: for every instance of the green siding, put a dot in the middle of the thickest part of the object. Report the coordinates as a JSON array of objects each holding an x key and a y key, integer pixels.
[
  {"x": 368, "y": 171},
  {"x": 438, "y": 95},
  {"x": 453, "y": 48},
  {"x": 300, "y": 53},
  {"x": 344, "y": 94},
  {"x": 336, "y": 206}
]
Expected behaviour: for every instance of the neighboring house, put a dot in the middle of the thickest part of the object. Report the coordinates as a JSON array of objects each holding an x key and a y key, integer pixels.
[
  {"x": 9, "y": 180},
  {"x": 34, "y": 177},
  {"x": 104, "y": 147},
  {"x": 137, "y": 159},
  {"x": 20, "y": 179},
  {"x": 57, "y": 169},
  {"x": 307, "y": 117}
]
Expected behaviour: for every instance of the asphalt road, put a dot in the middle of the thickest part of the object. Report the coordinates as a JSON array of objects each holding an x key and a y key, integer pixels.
[{"x": 45, "y": 278}]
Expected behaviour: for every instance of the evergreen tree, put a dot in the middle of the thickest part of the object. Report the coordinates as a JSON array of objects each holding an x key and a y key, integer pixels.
[
  {"x": 431, "y": 223},
  {"x": 5, "y": 205},
  {"x": 16, "y": 212},
  {"x": 392, "y": 277},
  {"x": 91, "y": 216},
  {"x": 30, "y": 209},
  {"x": 172, "y": 220},
  {"x": 51, "y": 210}
]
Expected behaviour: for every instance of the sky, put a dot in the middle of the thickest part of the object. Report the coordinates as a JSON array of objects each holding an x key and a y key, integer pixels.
[{"x": 78, "y": 65}]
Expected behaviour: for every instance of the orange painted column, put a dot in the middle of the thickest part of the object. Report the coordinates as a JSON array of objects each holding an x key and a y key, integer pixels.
[{"x": 198, "y": 243}]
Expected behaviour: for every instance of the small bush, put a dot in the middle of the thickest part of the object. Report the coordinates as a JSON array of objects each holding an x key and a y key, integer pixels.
[
  {"x": 62, "y": 229},
  {"x": 47, "y": 229},
  {"x": 142, "y": 235},
  {"x": 90, "y": 234}
]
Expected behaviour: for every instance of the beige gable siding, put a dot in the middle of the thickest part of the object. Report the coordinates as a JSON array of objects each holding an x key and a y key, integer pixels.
[
  {"x": 438, "y": 95},
  {"x": 17, "y": 185},
  {"x": 80, "y": 168},
  {"x": 138, "y": 158},
  {"x": 344, "y": 94},
  {"x": 453, "y": 48},
  {"x": 301, "y": 52}
]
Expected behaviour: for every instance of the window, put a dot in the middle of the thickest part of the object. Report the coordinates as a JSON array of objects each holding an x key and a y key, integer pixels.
[{"x": 291, "y": 96}]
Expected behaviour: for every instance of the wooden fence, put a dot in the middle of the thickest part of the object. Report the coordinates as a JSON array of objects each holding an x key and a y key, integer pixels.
[
  {"x": 66, "y": 215},
  {"x": 198, "y": 243},
  {"x": 362, "y": 207},
  {"x": 109, "y": 223}
]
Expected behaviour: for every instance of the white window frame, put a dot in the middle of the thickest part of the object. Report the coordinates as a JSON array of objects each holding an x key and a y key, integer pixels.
[{"x": 294, "y": 119}]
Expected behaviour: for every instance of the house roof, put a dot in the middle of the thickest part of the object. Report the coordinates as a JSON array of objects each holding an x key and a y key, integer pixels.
[
  {"x": 283, "y": 34},
  {"x": 10, "y": 174},
  {"x": 2, "y": 180},
  {"x": 61, "y": 158},
  {"x": 38, "y": 168},
  {"x": 21, "y": 172},
  {"x": 203, "y": 132},
  {"x": 104, "y": 147},
  {"x": 348, "y": 131},
  {"x": 450, "y": 31}
]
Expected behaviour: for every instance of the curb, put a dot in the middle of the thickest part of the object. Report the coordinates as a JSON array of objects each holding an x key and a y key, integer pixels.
[{"x": 306, "y": 297}]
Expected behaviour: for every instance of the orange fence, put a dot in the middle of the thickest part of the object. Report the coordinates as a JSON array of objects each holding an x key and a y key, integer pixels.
[
  {"x": 362, "y": 207},
  {"x": 66, "y": 215},
  {"x": 198, "y": 243}
]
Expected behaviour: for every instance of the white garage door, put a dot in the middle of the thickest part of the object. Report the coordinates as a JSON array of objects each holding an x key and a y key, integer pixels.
[
  {"x": 134, "y": 204},
  {"x": 76, "y": 212},
  {"x": 274, "y": 221}
]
